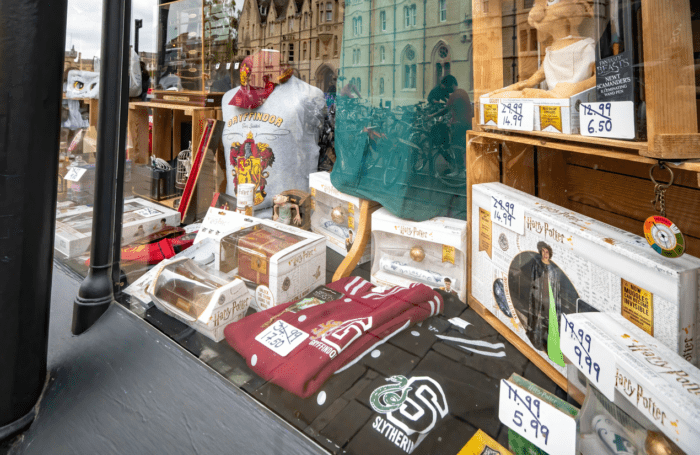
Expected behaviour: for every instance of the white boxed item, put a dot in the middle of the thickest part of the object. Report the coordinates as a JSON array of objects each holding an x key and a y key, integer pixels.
[
  {"x": 335, "y": 215},
  {"x": 218, "y": 223},
  {"x": 280, "y": 263},
  {"x": 651, "y": 383},
  {"x": 550, "y": 115},
  {"x": 527, "y": 252},
  {"x": 141, "y": 218},
  {"x": 431, "y": 252},
  {"x": 199, "y": 296}
]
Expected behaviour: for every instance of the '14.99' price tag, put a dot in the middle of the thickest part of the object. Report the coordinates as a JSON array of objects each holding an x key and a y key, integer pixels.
[
  {"x": 580, "y": 345},
  {"x": 281, "y": 337},
  {"x": 612, "y": 119},
  {"x": 516, "y": 115},
  {"x": 508, "y": 214},
  {"x": 537, "y": 421}
]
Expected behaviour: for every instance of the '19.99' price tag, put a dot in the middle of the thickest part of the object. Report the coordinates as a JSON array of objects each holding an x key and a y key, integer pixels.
[
  {"x": 612, "y": 119},
  {"x": 537, "y": 421},
  {"x": 516, "y": 115},
  {"x": 587, "y": 353},
  {"x": 281, "y": 337}
]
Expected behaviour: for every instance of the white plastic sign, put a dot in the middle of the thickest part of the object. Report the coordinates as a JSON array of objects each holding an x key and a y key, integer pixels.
[
  {"x": 508, "y": 214},
  {"x": 587, "y": 353},
  {"x": 537, "y": 421},
  {"x": 75, "y": 174},
  {"x": 611, "y": 119},
  {"x": 516, "y": 115},
  {"x": 281, "y": 337}
]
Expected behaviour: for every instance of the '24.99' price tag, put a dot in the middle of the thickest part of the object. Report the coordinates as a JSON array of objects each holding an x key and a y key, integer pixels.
[
  {"x": 516, "y": 115},
  {"x": 508, "y": 214},
  {"x": 580, "y": 345},
  {"x": 281, "y": 337},
  {"x": 537, "y": 421},
  {"x": 612, "y": 119}
]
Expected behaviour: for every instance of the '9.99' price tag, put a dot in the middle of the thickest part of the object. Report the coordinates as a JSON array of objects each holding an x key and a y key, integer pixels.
[
  {"x": 612, "y": 119},
  {"x": 580, "y": 345},
  {"x": 516, "y": 115},
  {"x": 537, "y": 421}
]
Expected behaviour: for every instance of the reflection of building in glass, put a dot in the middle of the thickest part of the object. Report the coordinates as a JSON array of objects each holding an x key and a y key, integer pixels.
[
  {"x": 399, "y": 51},
  {"x": 308, "y": 34}
]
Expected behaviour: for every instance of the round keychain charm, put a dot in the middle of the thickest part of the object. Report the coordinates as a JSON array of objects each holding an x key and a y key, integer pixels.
[
  {"x": 664, "y": 236},
  {"x": 661, "y": 233}
]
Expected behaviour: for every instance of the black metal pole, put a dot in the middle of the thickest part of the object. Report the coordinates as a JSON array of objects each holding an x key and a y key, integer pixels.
[
  {"x": 138, "y": 23},
  {"x": 121, "y": 153},
  {"x": 32, "y": 40},
  {"x": 95, "y": 293}
]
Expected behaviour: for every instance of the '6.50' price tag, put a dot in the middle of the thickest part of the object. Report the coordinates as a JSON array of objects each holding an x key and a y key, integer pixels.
[
  {"x": 613, "y": 119},
  {"x": 580, "y": 345},
  {"x": 537, "y": 421},
  {"x": 516, "y": 115},
  {"x": 281, "y": 337}
]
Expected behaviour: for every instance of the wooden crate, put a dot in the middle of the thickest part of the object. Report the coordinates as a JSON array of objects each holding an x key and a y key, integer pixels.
[
  {"x": 610, "y": 184},
  {"x": 672, "y": 112}
]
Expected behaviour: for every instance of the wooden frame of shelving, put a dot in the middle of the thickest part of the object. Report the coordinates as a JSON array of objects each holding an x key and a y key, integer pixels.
[{"x": 605, "y": 179}]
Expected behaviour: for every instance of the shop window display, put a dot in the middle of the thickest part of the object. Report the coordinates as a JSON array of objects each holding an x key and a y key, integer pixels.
[{"x": 405, "y": 351}]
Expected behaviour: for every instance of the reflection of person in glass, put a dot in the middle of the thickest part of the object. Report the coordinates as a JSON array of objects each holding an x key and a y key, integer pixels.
[
  {"x": 459, "y": 106},
  {"x": 349, "y": 240},
  {"x": 544, "y": 276}
]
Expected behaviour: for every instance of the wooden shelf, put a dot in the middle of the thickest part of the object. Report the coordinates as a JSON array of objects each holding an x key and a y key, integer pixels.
[{"x": 595, "y": 141}]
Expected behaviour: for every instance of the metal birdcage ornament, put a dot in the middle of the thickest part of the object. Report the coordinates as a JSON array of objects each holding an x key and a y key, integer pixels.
[{"x": 184, "y": 166}]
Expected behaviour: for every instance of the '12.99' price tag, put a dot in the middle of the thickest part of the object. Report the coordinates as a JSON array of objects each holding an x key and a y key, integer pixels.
[
  {"x": 537, "y": 421},
  {"x": 516, "y": 115},
  {"x": 587, "y": 353},
  {"x": 281, "y": 337},
  {"x": 612, "y": 119}
]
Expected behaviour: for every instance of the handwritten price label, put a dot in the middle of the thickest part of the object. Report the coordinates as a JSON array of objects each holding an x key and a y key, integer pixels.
[
  {"x": 75, "y": 174},
  {"x": 537, "y": 421},
  {"x": 281, "y": 337},
  {"x": 508, "y": 214},
  {"x": 587, "y": 353},
  {"x": 148, "y": 212},
  {"x": 516, "y": 115},
  {"x": 613, "y": 119}
]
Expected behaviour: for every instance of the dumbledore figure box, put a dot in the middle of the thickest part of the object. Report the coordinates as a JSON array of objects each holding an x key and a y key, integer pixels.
[{"x": 533, "y": 260}]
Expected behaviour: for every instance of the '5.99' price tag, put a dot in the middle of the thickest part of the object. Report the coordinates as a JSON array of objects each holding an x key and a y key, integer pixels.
[
  {"x": 516, "y": 115},
  {"x": 587, "y": 353},
  {"x": 537, "y": 421},
  {"x": 612, "y": 119},
  {"x": 281, "y": 337}
]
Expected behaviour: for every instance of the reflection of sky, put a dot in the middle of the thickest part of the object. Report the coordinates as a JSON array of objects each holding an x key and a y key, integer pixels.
[{"x": 84, "y": 25}]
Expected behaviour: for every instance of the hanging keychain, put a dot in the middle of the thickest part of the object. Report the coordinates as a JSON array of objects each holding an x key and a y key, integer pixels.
[{"x": 661, "y": 233}]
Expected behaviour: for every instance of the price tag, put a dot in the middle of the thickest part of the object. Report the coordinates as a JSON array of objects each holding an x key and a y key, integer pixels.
[
  {"x": 537, "y": 421},
  {"x": 281, "y": 337},
  {"x": 75, "y": 174},
  {"x": 516, "y": 115},
  {"x": 235, "y": 66},
  {"x": 508, "y": 214},
  {"x": 613, "y": 119},
  {"x": 217, "y": 65},
  {"x": 587, "y": 353},
  {"x": 148, "y": 211}
]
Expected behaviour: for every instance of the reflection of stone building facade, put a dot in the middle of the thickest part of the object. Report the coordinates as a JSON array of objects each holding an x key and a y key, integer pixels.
[
  {"x": 74, "y": 60},
  {"x": 308, "y": 34},
  {"x": 398, "y": 51}
]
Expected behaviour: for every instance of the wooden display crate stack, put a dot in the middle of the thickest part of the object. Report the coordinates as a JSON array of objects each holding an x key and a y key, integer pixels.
[{"x": 605, "y": 179}]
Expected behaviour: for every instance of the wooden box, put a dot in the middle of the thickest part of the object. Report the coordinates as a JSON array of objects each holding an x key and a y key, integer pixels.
[{"x": 255, "y": 250}]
